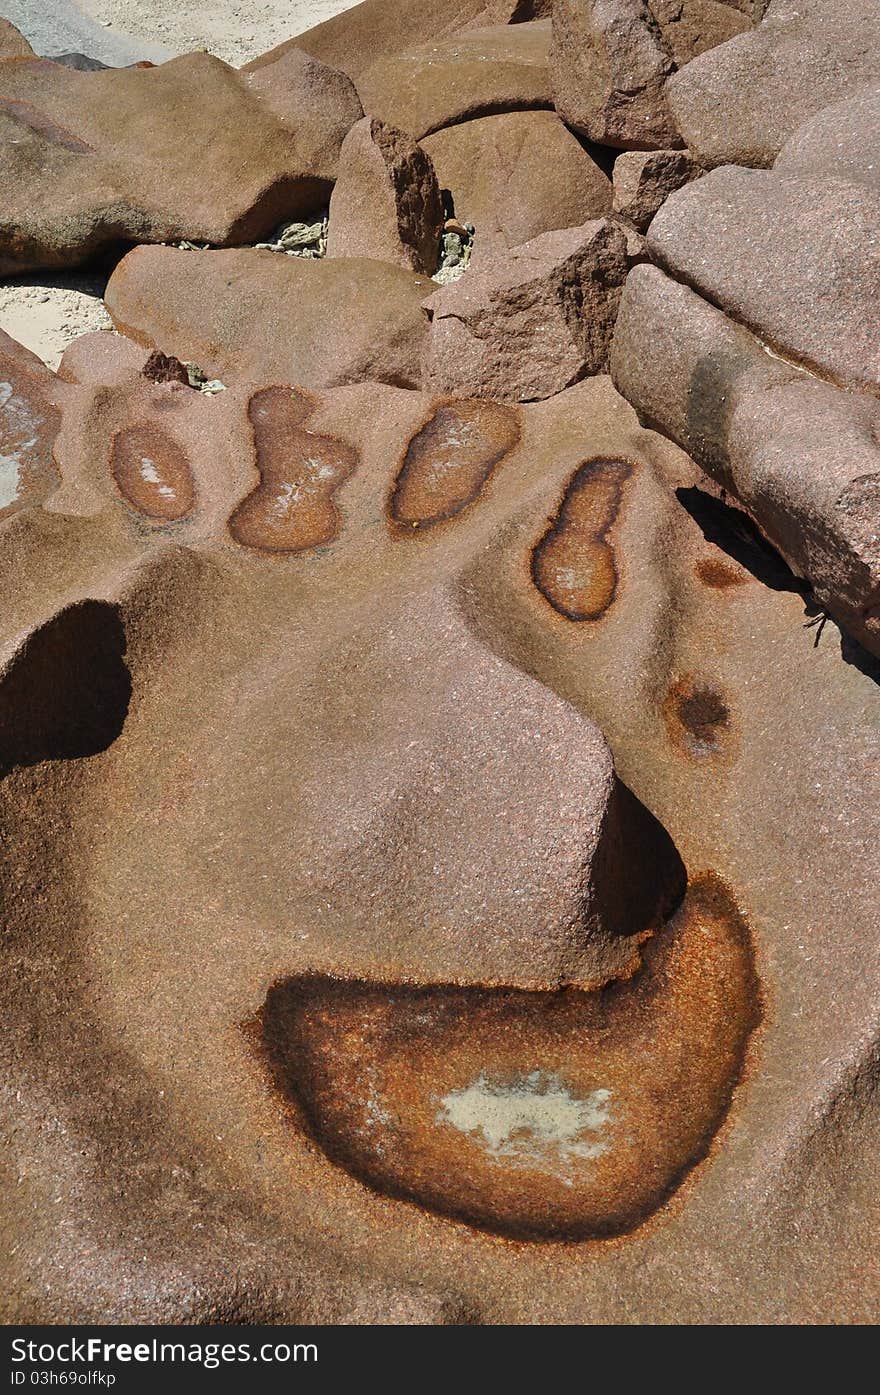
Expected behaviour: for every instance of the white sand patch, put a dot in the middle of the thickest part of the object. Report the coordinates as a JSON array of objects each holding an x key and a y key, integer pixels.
[
  {"x": 234, "y": 30},
  {"x": 532, "y": 1120},
  {"x": 46, "y": 310}
]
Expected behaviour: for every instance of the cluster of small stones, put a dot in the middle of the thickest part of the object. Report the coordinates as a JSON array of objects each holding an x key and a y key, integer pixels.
[
  {"x": 300, "y": 239},
  {"x": 456, "y": 246},
  {"x": 309, "y": 239}
]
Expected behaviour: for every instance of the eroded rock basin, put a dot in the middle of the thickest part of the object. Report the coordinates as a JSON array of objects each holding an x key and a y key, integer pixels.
[{"x": 539, "y": 1116}]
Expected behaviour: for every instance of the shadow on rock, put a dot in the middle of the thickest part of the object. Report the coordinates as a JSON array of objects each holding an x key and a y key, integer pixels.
[{"x": 65, "y": 693}]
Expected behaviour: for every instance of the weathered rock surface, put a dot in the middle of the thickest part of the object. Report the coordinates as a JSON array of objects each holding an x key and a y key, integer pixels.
[
  {"x": 740, "y": 103},
  {"x": 518, "y": 174},
  {"x": 308, "y": 746},
  {"x": 690, "y": 27},
  {"x": 89, "y": 158},
  {"x": 609, "y": 67},
  {"x": 644, "y": 179},
  {"x": 263, "y": 317},
  {"x": 611, "y": 59},
  {"x": 355, "y": 39},
  {"x": 840, "y": 142},
  {"x": 29, "y": 422},
  {"x": 423, "y": 89},
  {"x": 531, "y": 322},
  {"x": 386, "y": 202},
  {"x": 795, "y": 258},
  {"x": 338, "y": 952},
  {"x": 802, "y": 456}
]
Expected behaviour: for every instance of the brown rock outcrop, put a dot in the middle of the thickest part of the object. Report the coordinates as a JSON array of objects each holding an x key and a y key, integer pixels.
[
  {"x": 187, "y": 150},
  {"x": 839, "y": 142},
  {"x": 531, "y": 322},
  {"x": 611, "y": 60},
  {"x": 479, "y": 71},
  {"x": 309, "y": 746},
  {"x": 690, "y": 27},
  {"x": 802, "y": 456},
  {"x": 644, "y": 179},
  {"x": 355, "y": 39},
  {"x": 29, "y": 422},
  {"x": 386, "y": 202},
  {"x": 264, "y": 317},
  {"x": 793, "y": 257},
  {"x": 740, "y": 103},
  {"x": 609, "y": 66},
  {"x": 518, "y": 174},
  {"x": 439, "y": 827},
  {"x": 13, "y": 44}
]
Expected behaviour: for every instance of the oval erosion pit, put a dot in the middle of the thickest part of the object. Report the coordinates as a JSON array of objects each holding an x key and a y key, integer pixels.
[{"x": 561, "y": 1115}]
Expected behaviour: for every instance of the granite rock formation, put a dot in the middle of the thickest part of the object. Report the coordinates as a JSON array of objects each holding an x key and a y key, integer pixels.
[
  {"x": 440, "y": 718},
  {"x": 187, "y": 150}
]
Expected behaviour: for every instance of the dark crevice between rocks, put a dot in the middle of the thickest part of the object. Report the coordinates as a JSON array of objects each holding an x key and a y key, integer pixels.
[
  {"x": 604, "y": 156},
  {"x": 852, "y": 653},
  {"x": 732, "y": 530},
  {"x": 66, "y": 692}
]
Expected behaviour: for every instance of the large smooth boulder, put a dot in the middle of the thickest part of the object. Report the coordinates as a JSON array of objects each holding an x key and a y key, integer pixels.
[
  {"x": 801, "y": 455},
  {"x": 361, "y": 992},
  {"x": 740, "y": 103},
  {"x": 188, "y": 150},
  {"x": 795, "y": 258},
  {"x": 518, "y": 174},
  {"x": 423, "y": 89},
  {"x": 839, "y": 142},
  {"x": 529, "y": 322},
  {"x": 355, "y": 39},
  {"x": 262, "y": 316}
]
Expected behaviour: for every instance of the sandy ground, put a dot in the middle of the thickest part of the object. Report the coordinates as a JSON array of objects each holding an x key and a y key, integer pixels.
[
  {"x": 235, "y": 30},
  {"x": 47, "y": 311}
]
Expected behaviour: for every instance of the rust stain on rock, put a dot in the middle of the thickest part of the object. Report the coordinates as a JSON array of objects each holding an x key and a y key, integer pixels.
[
  {"x": 719, "y": 575},
  {"x": 698, "y": 717},
  {"x": 450, "y": 459},
  {"x": 292, "y": 509},
  {"x": 562, "y": 1115},
  {"x": 574, "y": 566},
  {"x": 152, "y": 473}
]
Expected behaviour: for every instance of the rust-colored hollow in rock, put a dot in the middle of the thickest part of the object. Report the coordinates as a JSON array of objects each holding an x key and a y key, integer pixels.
[
  {"x": 292, "y": 508},
  {"x": 450, "y": 459},
  {"x": 698, "y": 716},
  {"x": 275, "y": 411},
  {"x": 28, "y": 427},
  {"x": 561, "y": 1115},
  {"x": 573, "y": 565},
  {"x": 152, "y": 473},
  {"x": 719, "y": 575}
]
